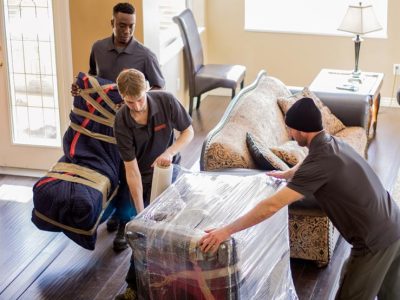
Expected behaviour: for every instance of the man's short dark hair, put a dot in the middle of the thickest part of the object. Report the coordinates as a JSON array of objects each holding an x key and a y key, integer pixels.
[{"x": 125, "y": 8}]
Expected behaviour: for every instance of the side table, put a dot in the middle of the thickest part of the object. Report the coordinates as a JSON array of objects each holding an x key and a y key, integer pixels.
[{"x": 337, "y": 81}]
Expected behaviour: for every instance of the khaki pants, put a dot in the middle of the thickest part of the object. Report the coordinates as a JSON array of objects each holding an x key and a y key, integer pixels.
[{"x": 366, "y": 276}]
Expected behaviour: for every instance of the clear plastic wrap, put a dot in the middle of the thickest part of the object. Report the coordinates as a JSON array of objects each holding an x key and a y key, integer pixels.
[{"x": 253, "y": 264}]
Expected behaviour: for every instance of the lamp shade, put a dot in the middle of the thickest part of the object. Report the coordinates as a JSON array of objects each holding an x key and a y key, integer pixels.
[{"x": 360, "y": 20}]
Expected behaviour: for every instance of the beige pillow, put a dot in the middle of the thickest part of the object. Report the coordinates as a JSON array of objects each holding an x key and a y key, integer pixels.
[
  {"x": 329, "y": 121},
  {"x": 290, "y": 152}
]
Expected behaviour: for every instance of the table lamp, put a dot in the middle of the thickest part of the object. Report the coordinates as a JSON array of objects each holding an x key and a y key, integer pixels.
[{"x": 359, "y": 19}]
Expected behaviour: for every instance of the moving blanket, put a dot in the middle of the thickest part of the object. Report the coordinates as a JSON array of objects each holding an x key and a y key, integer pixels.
[
  {"x": 253, "y": 264},
  {"x": 77, "y": 189}
]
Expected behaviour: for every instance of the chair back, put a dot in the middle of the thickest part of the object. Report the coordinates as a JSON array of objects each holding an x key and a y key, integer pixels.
[{"x": 193, "y": 49}]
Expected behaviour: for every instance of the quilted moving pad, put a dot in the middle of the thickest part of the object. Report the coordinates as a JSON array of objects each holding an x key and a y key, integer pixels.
[
  {"x": 253, "y": 264},
  {"x": 73, "y": 194}
]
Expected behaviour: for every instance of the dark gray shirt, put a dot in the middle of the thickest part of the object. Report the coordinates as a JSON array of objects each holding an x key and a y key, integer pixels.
[
  {"x": 107, "y": 62},
  {"x": 350, "y": 193},
  {"x": 147, "y": 142}
]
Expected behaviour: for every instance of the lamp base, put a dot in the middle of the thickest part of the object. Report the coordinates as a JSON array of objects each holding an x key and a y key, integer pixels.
[{"x": 356, "y": 76}]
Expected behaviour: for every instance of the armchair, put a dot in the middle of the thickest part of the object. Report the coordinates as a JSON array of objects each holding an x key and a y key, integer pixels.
[{"x": 203, "y": 78}]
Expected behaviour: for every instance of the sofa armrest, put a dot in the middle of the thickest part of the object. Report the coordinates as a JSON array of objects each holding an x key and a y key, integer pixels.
[{"x": 351, "y": 109}]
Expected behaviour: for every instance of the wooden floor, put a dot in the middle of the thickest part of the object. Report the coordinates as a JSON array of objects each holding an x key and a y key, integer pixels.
[{"x": 43, "y": 265}]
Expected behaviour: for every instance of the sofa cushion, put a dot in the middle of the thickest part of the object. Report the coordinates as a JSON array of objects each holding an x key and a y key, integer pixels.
[
  {"x": 290, "y": 152},
  {"x": 355, "y": 137},
  {"x": 264, "y": 158},
  {"x": 256, "y": 111},
  {"x": 330, "y": 122}
]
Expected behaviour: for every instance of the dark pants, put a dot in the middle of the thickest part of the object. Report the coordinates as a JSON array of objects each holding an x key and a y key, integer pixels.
[
  {"x": 121, "y": 206},
  {"x": 366, "y": 276}
]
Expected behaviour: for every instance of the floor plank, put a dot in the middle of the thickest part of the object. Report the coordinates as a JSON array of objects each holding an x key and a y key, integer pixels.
[{"x": 43, "y": 265}]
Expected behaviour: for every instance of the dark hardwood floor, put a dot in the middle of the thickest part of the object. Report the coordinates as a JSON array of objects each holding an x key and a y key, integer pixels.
[{"x": 42, "y": 265}]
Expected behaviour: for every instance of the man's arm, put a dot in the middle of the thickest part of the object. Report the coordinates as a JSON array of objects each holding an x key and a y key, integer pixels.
[
  {"x": 287, "y": 175},
  {"x": 182, "y": 141},
  {"x": 259, "y": 213},
  {"x": 92, "y": 64},
  {"x": 134, "y": 180}
]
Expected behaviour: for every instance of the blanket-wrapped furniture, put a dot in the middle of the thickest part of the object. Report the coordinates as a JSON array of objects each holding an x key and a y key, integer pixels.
[
  {"x": 73, "y": 194},
  {"x": 256, "y": 110},
  {"x": 253, "y": 264}
]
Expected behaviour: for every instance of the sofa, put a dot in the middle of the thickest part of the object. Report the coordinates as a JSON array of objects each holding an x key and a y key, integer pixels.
[{"x": 256, "y": 110}]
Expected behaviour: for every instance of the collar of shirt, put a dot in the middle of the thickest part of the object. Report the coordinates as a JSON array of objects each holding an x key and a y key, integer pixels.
[
  {"x": 321, "y": 137},
  {"x": 129, "y": 49},
  {"x": 153, "y": 108}
]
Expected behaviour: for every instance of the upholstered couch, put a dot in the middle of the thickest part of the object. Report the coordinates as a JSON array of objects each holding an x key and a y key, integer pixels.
[{"x": 255, "y": 110}]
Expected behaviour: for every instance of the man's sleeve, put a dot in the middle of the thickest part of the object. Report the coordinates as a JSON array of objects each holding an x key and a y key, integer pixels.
[
  {"x": 92, "y": 64},
  {"x": 179, "y": 116},
  {"x": 310, "y": 176},
  {"x": 124, "y": 137},
  {"x": 153, "y": 72}
]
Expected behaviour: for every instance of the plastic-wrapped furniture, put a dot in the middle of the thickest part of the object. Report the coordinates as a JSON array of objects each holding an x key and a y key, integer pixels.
[
  {"x": 253, "y": 264},
  {"x": 204, "y": 77},
  {"x": 255, "y": 110}
]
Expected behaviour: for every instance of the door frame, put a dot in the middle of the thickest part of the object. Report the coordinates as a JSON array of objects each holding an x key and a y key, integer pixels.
[{"x": 20, "y": 159}]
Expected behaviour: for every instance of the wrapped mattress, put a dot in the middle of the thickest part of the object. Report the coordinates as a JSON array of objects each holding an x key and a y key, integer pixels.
[
  {"x": 253, "y": 264},
  {"x": 76, "y": 190}
]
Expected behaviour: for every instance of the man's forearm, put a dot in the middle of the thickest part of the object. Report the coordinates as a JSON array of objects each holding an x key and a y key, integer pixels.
[
  {"x": 183, "y": 140},
  {"x": 263, "y": 210},
  {"x": 136, "y": 190}
]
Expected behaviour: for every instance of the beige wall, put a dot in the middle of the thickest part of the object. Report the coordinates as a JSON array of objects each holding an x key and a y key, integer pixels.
[
  {"x": 295, "y": 58},
  {"x": 90, "y": 21}
]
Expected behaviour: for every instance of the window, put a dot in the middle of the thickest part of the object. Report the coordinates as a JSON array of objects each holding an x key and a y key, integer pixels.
[
  {"x": 32, "y": 72},
  {"x": 306, "y": 16}
]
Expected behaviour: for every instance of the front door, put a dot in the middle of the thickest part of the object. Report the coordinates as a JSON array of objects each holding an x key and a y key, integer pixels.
[{"x": 35, "y": 74}]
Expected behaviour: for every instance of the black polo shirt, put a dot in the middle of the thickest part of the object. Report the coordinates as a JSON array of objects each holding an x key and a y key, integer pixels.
[
  {"x": 147, "y": 142},
  {"x": 107, "y": 62},
  {"x": 350, "y": 193}
]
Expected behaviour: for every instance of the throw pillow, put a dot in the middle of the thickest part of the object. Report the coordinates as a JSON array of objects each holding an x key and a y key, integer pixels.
[
  {"x": 263, "y": 157},
  {"x": 290, "y": 152},
  {"x": 330, "y": 122}
]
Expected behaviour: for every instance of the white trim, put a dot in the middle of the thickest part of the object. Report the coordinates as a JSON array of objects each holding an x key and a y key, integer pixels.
[
  {"x": 22, "y": 172},
  {"x": 389, "y": 102},
  {"x": 173, "y": 49},
  {"x": 62, "y": 35}
]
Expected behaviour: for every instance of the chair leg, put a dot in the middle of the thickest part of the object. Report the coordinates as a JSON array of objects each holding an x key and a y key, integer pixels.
[
  {"x": 233, "y": 93},
  {"x": 190, "y": 105},
  {"x": 198, "y": 101},
  {"x": 242, "y": 84}
]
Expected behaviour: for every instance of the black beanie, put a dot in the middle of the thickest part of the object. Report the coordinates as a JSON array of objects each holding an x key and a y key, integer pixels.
[{"x": 304, "y": 116}]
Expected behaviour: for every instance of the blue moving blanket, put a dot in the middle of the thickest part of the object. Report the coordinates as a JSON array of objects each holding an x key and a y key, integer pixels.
[{"x": 75, "y": 192}]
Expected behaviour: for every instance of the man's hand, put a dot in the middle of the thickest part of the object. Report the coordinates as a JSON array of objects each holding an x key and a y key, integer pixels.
[
  {"x": 75, "y": 90},
  {"x": 164, "y": 160},
  {"x": 280, "y": 174},
  {"x": 212, "y": 240}
]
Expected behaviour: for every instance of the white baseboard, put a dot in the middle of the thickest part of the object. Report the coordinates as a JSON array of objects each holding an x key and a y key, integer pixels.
[
  {"x": 389, "y": 102},
  {"x": 22, "y": 172}
]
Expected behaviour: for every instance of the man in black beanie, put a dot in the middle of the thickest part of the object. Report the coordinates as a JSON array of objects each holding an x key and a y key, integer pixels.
[{"x": 351, "y": 195}]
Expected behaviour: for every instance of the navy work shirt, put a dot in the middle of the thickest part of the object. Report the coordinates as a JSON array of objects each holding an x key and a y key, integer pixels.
[
  {"x": 147, "y": 142},
  {"x": 350, "y": 193},
  {"x": 106, "y": 61}
]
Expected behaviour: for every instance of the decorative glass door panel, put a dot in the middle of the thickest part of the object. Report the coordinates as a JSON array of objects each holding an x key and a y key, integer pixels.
[
  {"x": 32, "y": 72},
  {"x": 32, "y": 108}
]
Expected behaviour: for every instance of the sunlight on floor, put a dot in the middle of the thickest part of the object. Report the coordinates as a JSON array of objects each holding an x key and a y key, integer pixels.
[{"x": 15, "y": 193}]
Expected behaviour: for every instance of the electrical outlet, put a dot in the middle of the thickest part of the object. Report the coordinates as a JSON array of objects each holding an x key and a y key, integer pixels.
[{"x": 396, "y": 69}]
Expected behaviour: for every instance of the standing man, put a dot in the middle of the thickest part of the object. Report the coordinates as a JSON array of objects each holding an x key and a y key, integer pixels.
[
  {"x": 144, "y": 130},
  {"x": 108, "y": 58},
  {"x": 352, "y": 196}
]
